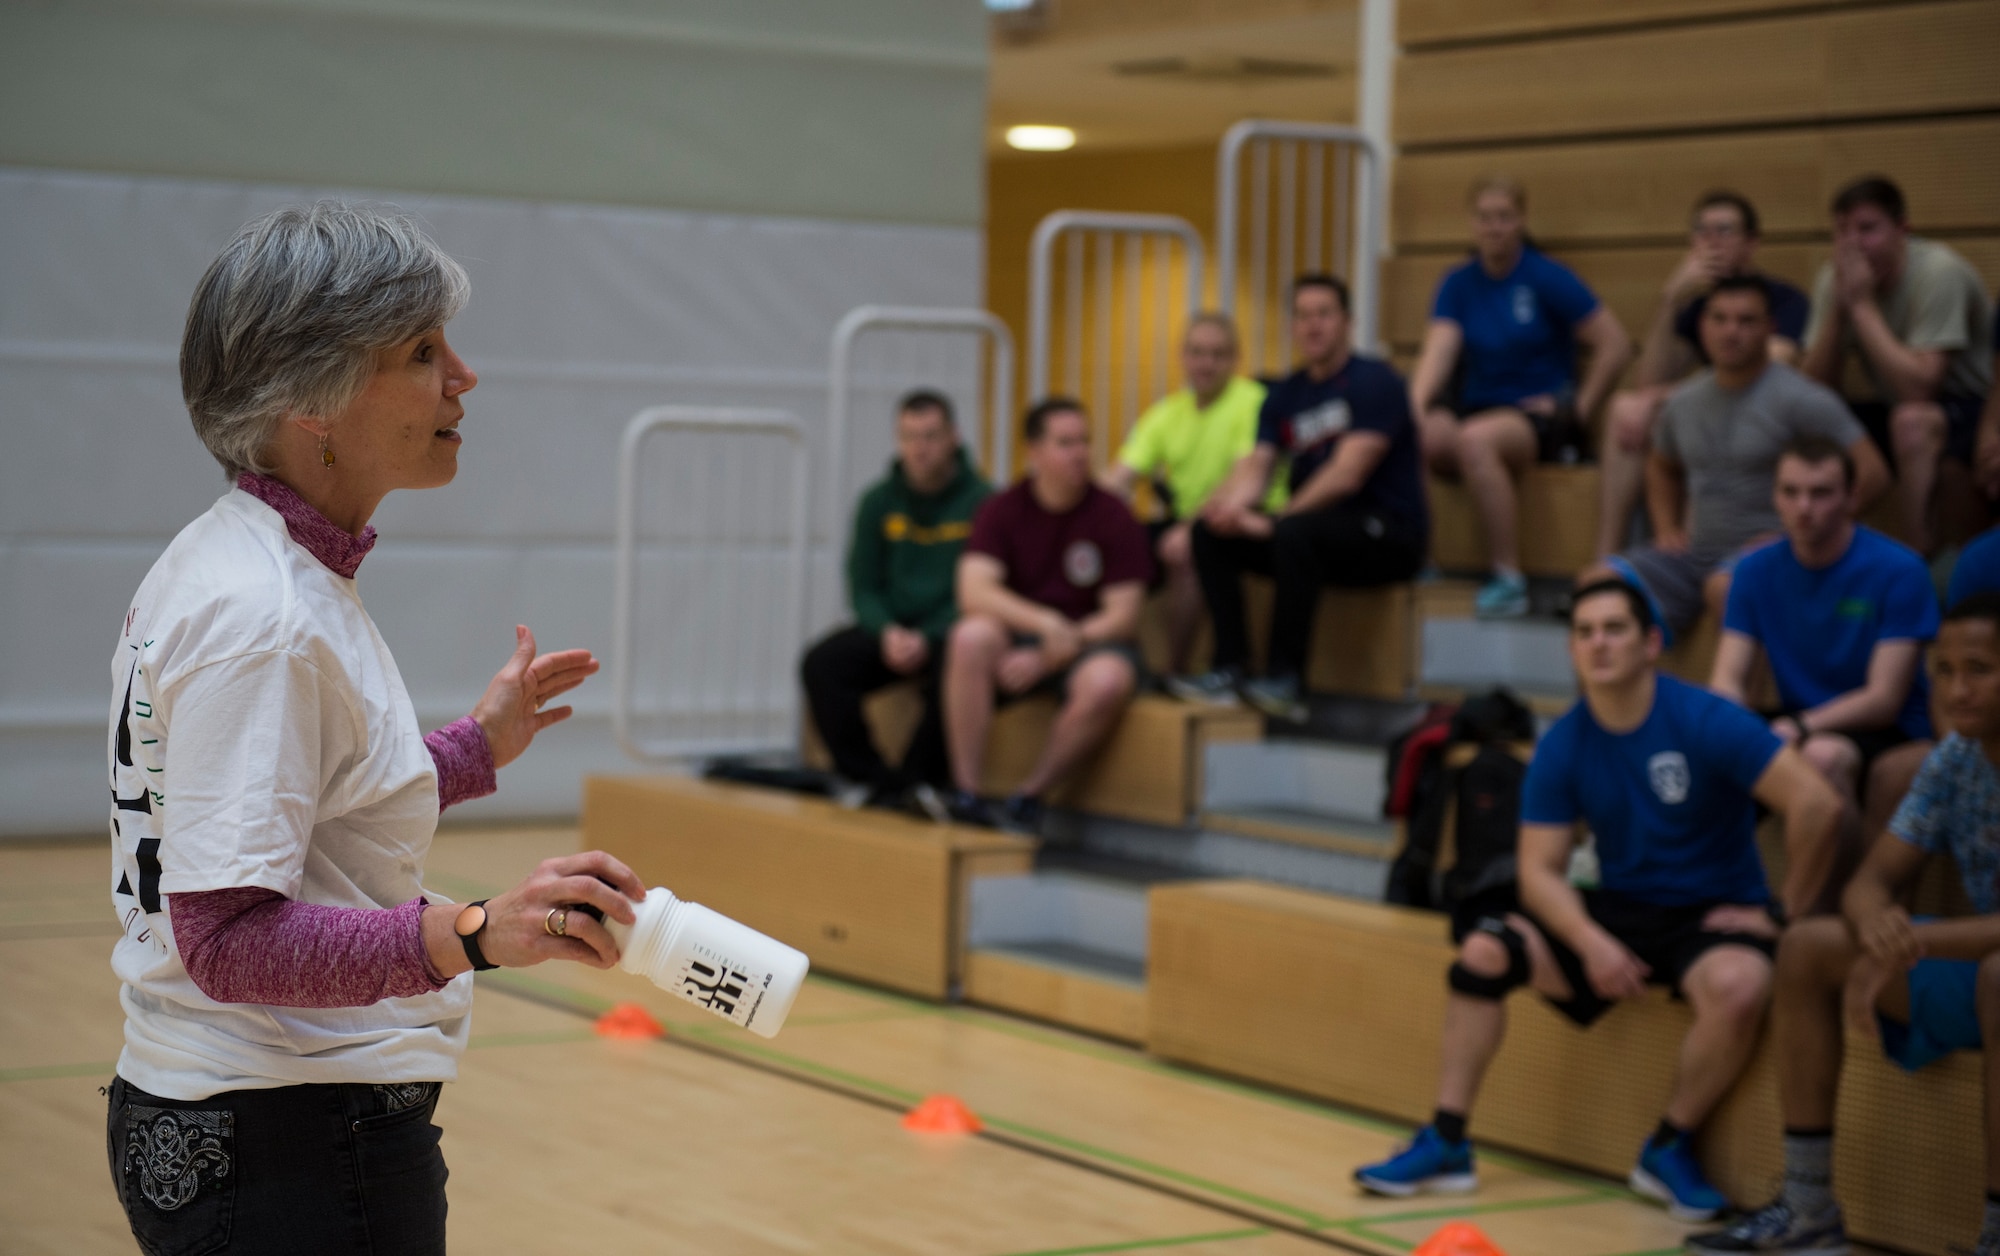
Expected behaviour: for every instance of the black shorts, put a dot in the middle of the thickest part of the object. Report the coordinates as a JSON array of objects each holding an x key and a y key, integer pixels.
[
  {"x": 1559, "y": 437},
  {"x": 1873, "y": 743},
  {"x": 1667, "y": 939},
  {"x": 1056, "y": 684},
  {"x": 1961, "y": 426}
]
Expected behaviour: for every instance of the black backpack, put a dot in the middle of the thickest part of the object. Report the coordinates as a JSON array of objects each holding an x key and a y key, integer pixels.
[{"x": 1486, "y": 827}]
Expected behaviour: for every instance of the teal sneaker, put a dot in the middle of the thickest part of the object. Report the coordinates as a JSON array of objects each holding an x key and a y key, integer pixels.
[
  {"x": 1428, "y": 1165},
  {"x": 1667, "y": 1172},
  {"x": 1502, "y": 597}
]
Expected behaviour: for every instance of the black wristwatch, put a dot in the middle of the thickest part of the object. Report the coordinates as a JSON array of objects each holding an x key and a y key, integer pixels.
[{"x": 470, "y": 924}]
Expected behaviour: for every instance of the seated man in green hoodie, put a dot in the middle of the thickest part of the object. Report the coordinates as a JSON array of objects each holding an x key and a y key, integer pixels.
[{"x": 901, "y": 567}]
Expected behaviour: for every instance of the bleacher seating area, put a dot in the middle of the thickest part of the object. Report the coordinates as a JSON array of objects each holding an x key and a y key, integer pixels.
[{"x": 1216, "y": 894}]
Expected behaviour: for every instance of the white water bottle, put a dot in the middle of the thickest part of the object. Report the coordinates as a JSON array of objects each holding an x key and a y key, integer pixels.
[{"x": 711, "y": 961}]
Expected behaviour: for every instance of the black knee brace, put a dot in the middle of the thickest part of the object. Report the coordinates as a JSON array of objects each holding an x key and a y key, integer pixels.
[{"x": 1479, "y": 986}]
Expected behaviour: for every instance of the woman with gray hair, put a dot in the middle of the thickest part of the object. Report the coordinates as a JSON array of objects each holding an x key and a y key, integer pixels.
[{"x": 292, "y": 998}]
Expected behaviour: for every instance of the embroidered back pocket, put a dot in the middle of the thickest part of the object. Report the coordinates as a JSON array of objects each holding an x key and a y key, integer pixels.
[{"x": 177, "y": 1177}]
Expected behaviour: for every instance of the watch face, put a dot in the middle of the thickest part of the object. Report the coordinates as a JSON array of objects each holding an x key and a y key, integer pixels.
[{"x": 471, "y": 920}]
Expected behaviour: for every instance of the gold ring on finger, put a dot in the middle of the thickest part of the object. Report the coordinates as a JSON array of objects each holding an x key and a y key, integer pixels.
[{"x": 556, "y": 923}]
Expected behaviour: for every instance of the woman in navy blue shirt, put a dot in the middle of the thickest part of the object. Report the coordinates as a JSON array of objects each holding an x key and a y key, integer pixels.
[{"x": 1508, "y": 321}]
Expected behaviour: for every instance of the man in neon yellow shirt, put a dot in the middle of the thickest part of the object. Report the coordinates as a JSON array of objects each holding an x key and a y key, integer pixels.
[{"x": 1191, "y": 438}]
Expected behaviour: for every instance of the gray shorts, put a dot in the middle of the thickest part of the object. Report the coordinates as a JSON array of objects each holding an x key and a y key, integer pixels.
[
  {"x": 1056, "y": 684},
  {"x": 1673, "y": 582}
]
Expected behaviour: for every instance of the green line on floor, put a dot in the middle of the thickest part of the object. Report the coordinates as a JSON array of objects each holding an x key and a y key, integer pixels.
[
  {"x": 1464, "y": 1212},
  {"x": 1367, "y": 1235},
  {"x": 1141, "y": 1245},
  {"x": 41, "y": 1072},
  {"x": 514, "y": 982}
]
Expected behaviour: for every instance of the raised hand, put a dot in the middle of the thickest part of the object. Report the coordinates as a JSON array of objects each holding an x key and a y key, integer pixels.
[{"x": 511, "y": 712}]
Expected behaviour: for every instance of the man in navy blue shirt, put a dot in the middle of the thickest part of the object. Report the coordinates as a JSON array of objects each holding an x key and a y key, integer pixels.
[
  {"x": 1843, "y": 613},
  {"x": 1722, "y": 243},
  {"x": 1665, "y": 776},
  {"x": 1508, "y": 322},
  {"x": 1357, "y": 515}
]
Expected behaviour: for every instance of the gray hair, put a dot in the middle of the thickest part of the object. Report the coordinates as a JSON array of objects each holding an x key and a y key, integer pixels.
[{"x": 289, "y": 318}]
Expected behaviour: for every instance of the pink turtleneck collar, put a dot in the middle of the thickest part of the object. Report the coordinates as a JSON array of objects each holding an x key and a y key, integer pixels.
[{"x": 340, "y": 550}]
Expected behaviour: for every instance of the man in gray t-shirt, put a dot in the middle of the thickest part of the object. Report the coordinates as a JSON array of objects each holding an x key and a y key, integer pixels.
[{"x": 1708, "y": 476}]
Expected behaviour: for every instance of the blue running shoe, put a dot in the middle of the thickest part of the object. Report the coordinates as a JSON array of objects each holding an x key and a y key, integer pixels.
[
  {"x": 1776, "y": 1228},
  {"x": 1502, "y": 597},
  {"x": 1428, "y": 1164},
  {"x": 1667, "y": 1172}
]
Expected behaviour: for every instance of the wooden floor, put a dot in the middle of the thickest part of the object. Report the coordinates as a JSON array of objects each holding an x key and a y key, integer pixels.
[{"x": 716, "y": 1141}]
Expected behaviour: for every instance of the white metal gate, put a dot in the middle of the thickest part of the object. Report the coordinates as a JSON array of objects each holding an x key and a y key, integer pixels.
[
  {"x": 726, "y": 619},
  {"x": 1315, "y": 202},
  {"x": 1106, "y": 258},
  {"x": 997, "y": 421}
]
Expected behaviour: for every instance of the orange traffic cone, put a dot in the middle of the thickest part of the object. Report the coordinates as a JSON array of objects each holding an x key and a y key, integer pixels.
[
  {"x": 1457, "y": 1238},
  {"x": 942, "y": 1114},
  {"x": 629, "y": 1020}
]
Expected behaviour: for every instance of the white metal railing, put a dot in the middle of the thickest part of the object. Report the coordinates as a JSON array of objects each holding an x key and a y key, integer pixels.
[
  {"x": 1317, "y": 202},
  {"x": 840, "y": 385},
  {"x": 729, "y": 647},
  {"x": 1103, "y": 236}
]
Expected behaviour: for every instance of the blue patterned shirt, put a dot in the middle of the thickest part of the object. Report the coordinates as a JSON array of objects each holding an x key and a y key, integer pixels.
[{"x": 1954, "y": 807}]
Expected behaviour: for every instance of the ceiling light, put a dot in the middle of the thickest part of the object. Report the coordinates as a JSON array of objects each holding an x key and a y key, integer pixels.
[{"x": 1041, "y": 139}]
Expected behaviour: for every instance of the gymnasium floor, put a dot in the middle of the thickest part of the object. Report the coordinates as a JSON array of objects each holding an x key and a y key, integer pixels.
[{"x": 717, "y": 1141}]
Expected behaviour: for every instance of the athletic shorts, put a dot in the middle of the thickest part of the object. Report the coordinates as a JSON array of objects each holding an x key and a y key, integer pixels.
[
  {"x": 1559, "y": 437},
  {"x": 1056, "y": 684},
  {"x": 1944, "y": 1014},
  {"x": 1673, "y": 582},
  {"x": 1961, "y": 425},
  {"x": 1667, "y": 939},
  {"x": 1873, "y": 743}
]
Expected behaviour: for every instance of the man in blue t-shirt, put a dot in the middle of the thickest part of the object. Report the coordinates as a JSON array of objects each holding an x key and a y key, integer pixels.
[
  {"x": 1665, "y": 775},
  {"x": 1356, "y": 517},
  {"x": 1722, "y": 243},
  {"x": 1923, "y": 988},
  {"x": 1509, "y": 322},
  {"x": 1843, "y": 614}
]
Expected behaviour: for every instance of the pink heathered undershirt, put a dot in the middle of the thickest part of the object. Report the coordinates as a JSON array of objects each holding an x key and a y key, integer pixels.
[{"x": 254, "y": 945}]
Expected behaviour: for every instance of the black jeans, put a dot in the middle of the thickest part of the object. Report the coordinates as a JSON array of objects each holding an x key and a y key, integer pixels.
[
  {"x": 843, "y": 668},
  {"x": 303, "y": 1170},
  {"x": 1343, "y": 545}
]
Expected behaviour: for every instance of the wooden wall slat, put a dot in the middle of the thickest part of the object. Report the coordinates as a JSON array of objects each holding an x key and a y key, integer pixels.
[
  {"x": 1636, "y": 189},
  {"x": 1801, "y": 68},
  {"x": 1438, "y": 21}
]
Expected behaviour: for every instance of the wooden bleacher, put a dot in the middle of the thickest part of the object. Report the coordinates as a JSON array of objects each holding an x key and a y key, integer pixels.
[
  {"x": 1558, "y": 509},
  {"x": 1345, "y": 1000},
  {"x": 865, "y": 894}
]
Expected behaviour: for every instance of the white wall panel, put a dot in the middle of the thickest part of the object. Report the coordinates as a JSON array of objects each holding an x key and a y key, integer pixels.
[{"x": 580, "y": 316}]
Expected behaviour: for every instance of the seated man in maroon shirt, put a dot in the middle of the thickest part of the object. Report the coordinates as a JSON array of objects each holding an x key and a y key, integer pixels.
[{"x": 1049, "y": 589}]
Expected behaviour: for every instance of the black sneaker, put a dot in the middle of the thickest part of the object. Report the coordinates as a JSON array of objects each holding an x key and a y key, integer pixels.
[
  {"x": 965, "y": 807},
  {"x": 1021, "y": 814},
  {"x": 1278, "y": 697},
  {"x": 1776, "y": 1228},
  {"x": 1213, "y": 688}
]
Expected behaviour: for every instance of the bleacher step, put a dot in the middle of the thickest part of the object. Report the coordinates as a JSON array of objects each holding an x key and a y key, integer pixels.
[
  {"x": 1340, "y": 780},
  {"x": 1369, "y": 839},
  {"x": 1061, "y": 946},
  {"x": 1531, "y": 655}
]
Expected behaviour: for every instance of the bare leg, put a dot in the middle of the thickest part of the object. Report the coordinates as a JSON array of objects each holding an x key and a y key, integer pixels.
[
  {"x": 1715, "y": 595},
  {"x": 1621, "y": 462},
  {"x": 1098, "y": 691},
  {"x": 1813, "y": 959},
  {"x": 1474, "y": 1028},
  {"x": 1494, "y": 448},
  {"x": 977, "y": 642},
  {"x": 1917, "y": 430},
  {"x": 1184, "y": 604},
  {"x": 1728, "y": 988}
]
